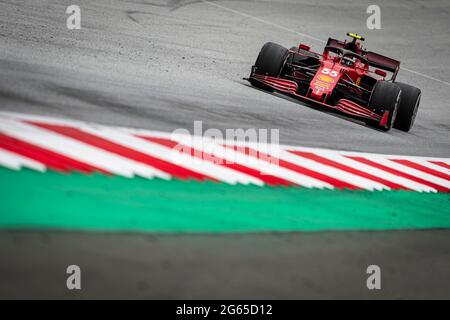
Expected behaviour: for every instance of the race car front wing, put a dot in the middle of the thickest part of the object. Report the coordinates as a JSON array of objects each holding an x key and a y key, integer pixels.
[{"x": 343, "y": 105}]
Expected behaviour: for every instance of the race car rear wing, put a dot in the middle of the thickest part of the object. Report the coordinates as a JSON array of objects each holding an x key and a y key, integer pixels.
[
  {"x": 375, "y": 60},
  {"x": 382, "y": 62}
]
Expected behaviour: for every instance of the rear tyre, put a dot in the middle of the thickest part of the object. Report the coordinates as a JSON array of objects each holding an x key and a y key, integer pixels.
[
  {"x": 386, "y": 96},
  {"x": 408, "y": 107},
  {"x": 270, "y": 62}
]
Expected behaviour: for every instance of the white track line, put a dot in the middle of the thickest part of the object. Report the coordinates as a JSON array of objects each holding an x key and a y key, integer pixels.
[
  {"x": 389, "y": 156},
  {"x": 366, "y": 154},
  {"x": 261, "y": 20},
  {"x": 429, "y": 165},
  {"x": 426, "y": 76},
  {"x": 305, "y": 35}
]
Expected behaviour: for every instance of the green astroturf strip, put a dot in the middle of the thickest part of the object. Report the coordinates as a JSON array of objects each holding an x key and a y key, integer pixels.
[{"x": 32, "y": 199}]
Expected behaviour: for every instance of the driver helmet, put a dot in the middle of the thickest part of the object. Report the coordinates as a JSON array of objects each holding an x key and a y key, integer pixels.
[{"x": 352, "y": 46}]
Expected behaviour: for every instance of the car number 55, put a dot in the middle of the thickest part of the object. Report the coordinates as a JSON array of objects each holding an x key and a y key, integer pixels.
[{"x": 331, "y": 73}]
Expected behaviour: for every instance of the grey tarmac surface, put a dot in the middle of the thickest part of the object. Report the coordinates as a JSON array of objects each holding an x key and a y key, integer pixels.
[
  {"x": 161, "y": 65},
  {"x": 322, "y": 265}
]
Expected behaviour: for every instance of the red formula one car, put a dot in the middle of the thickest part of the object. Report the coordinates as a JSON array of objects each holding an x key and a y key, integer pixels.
[{"x": 345, "y": 77}]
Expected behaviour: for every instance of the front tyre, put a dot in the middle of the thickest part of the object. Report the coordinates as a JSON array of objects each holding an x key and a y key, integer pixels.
[
  {"x": 408, "y": 107},
  {"x": 270, "y": 62},
  {"x": 386, "y": 96}
]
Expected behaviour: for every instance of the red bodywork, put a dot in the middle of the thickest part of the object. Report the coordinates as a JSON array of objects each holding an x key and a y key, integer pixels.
[
  {"x": 343, "y": 105},
  {"x": 332, "y": 72}
]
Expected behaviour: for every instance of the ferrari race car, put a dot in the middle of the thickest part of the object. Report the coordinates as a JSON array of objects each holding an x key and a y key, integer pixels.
[{"x": 345, "y": 77}]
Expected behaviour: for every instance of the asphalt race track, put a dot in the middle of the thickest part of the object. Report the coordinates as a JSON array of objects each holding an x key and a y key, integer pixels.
[
  {"x": 322, "y": 265},
  {"x": 161, "y": 65}
]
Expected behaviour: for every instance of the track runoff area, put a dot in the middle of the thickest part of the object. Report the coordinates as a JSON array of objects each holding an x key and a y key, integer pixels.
[{"x": 64, "y": 174}]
